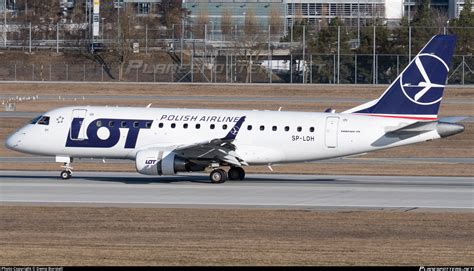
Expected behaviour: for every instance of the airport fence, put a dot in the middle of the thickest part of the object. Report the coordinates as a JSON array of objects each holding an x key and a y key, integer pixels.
[
  {"x": 319, "y": 69},
  {"x": 305, "y": 54}
]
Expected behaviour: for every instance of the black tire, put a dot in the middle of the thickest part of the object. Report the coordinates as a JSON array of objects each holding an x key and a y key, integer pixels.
[
  {"x": 236, "y": 173},
  {"x": 241, "y": 174},
  {"x": 218, "y": 176},
  {"x": 65, "y": 174}
]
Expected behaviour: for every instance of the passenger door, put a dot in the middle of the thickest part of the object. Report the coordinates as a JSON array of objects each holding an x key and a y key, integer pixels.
[{"x": 330, "y": 135}]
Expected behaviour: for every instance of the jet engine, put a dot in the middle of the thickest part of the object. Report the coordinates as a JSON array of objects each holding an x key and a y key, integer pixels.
[{"x": 156, "y": 162}]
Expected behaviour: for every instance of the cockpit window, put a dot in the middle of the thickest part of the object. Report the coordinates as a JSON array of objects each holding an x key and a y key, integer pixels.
[
  {"x": 35, "y": 120},
  {"x": 44, "y": 120}
]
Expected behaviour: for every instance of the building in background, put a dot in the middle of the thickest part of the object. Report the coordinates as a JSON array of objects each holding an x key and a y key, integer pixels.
[
  {"x": 142, "y": 7},
  {"x": 8, "y": 5},
  {"x": 451, "y": 8},
  {"x": 351, "y": 12},
  {"x": 238, "y": 9},
  {"x": 315, "y": 12}
]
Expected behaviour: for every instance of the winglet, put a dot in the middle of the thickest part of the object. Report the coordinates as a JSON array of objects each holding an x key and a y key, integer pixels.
[{"x": 235, "y": 130}]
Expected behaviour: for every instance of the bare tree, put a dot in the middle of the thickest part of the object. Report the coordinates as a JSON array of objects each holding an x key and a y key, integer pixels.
[
  {"x": 226, "y": 22},
  {"x": 199, "y": 28},
  {"x": 298, "y": 18},
  {"x": 122, "y": 47},
  {"x": 275, "y": 20},
  {"x": 172, "y": 12},
  {"x": 43, "y": 16},
  {"x": 249, "y": 43},
  {"x": 250, "y": 24},
  {"x": 439, "y": 19}
]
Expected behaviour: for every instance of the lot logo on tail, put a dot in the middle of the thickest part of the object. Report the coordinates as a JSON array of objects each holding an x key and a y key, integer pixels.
[{"x": 423, "y": 83}]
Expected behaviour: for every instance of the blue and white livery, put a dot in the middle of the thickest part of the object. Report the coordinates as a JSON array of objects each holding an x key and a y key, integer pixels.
[{"x": 165, "y": 141}]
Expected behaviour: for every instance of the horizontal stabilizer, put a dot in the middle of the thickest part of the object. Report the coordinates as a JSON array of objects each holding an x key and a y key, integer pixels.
[
  {"x": 452, "y": 119},
  {"x": 418, "y": 127}
]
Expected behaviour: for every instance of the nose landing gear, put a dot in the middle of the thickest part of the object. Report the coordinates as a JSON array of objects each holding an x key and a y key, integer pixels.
[{"x": 67, "y": 172}]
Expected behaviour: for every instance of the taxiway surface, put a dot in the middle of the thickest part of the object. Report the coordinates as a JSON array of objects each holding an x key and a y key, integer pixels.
[{"x": 258, "y": 190}]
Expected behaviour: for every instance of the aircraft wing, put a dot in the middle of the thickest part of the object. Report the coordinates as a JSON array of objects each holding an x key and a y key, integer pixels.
[{"x": 220, "y": 149}]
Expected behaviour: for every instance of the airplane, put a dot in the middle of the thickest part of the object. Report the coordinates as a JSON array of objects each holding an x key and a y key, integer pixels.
[{"x": 164, "y": 141}]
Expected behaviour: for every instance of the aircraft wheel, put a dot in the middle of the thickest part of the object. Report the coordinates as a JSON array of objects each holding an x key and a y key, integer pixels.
[
  {"x": 236, "y": 173},
  {"x": 218, "y": 176},
  {"x": 66, "y": 174}
]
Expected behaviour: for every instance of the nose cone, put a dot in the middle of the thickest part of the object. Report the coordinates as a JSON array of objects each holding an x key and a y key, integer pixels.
[{"x": 13, "y": 142}]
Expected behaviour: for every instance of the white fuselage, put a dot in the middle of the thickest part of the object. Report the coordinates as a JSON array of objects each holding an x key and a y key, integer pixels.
[{"x": 265, "y": 136}]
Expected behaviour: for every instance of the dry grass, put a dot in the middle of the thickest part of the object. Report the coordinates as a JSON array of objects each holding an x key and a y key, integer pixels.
[
  {"x": 88, "y": 90},
  {"x": 151, "y": 236},
  {"x": 229, "y": 90}
]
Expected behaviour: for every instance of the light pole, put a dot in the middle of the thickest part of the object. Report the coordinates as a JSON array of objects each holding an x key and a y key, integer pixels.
[
  {"x": 358, "y": 23},
  {"x": 102, "y": 27},
  {"x": 409, "y": 7},
  {"x": 118, "y": 22},
  {"x": 212, "y": 30},
  {"x": 5, "y": 23}
]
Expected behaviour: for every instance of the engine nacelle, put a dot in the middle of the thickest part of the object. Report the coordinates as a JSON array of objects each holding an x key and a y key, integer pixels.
[{"x": 156, "y": 162}]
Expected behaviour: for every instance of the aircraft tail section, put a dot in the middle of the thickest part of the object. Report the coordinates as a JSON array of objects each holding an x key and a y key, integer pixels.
[{"x": 418, "y": 90}]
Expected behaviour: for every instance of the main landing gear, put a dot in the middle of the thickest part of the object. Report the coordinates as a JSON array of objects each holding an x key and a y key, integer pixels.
[{"x": 220, "y": 176}]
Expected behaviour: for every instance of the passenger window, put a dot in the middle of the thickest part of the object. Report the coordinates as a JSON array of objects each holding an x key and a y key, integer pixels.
[
  {"x": 148, "y": 125},
  {"x": 311, "y": 129},
  {"x": 160, "y": 125},
  {"x": 185, "y": 126},
  {"x": 224, "y": 126},
  {"x": 43, "y": 120},
  {"x": 198, "y": 126},
  {"x": 111, "y": 123},
  {"x": 123, "y": 124},
  {"x": 249, "y": 127},
  {"x": 98, "y": 123},
  {"x": 262, "y": 128},
  {"x": 212, "y": 126},
  {"x": 299, "y": 129},
  {"x": 173, "y": 125},
  {"x": 274, "y": 128},
  {"x": 287, "y": 128},
  {"x": 136, "y": 124}
]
